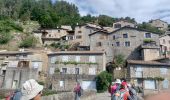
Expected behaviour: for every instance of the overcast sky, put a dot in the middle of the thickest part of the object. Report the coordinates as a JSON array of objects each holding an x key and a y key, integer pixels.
[{"x": 141, "y": 10}]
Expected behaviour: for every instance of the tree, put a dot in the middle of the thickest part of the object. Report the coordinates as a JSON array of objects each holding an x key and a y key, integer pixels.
[
  {"x": 28, "y": 41},
  {"x": 103, "y": 80},
  {"x": 104, "y": 20},
  {"x": 148, "y": 27}
]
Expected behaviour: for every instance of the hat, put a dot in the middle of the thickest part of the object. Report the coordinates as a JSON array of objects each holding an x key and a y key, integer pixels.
[
  {"x": 118, "y": 81},
  {"x": 30, "y": 89},
  {"x": 124, "y": 84}
]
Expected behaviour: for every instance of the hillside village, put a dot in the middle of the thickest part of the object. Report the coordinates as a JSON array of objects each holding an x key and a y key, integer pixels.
[{"x": 82, "y": 53}]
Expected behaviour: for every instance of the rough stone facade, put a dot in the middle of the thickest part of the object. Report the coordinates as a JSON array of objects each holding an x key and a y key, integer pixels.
[
  {"x": 126, "y": 41},
  {"x": 73, "y": 67},
  {"x": 82, "y": 34},
  {"x": 165, "y": 44},
  {"x": 144, "y": 73},
  {"x": 87, "y": 95},
  {"x": 99, "y": 41},
  {"x": 122, "y": 23},
  {"x": 159, "y": 24}
]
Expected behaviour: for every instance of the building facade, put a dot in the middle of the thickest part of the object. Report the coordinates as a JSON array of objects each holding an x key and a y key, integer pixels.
[
  {"x": 159, "y": 24},
  {"x": 19, "y": 66},
  {"x": 165, "y": 44},
  {"x": 78, "y": 65},
  {"x": 122, "y": 23},
  {"x": 153, "y": 76},
  {"x": 127, "y": 40}
]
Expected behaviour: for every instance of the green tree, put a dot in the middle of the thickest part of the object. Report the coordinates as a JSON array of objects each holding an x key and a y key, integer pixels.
[
  {"x": 28, "y": 41},
  {"x": 105, "y": 20},
  {"x": 103, "y": 80},
  {"x": 148, "y": 27}
]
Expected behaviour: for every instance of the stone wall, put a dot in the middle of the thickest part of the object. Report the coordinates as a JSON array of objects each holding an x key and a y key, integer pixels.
[{"x": 87, "y": 95}]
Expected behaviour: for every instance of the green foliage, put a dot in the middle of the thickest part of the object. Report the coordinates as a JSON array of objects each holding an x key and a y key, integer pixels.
[
  {"x": 57, "y": 70},
  {"x": 119, "y": 61},
  {"x": 41, "y": 83},
  {"x": 48, "y": 92},
  {"x": 27, "y": 42},
  {"x": 103, "y": 80},
  {"x": 148, "y": 40},
  {"x": 75, "y": 63},
  {"x": 148, "y": 27},
  {"x": 5, "y": 37},
  {"x": 104, "y": 20},
  {"x": 159, "y": 78},
  {"x": 60, "y": 46}
]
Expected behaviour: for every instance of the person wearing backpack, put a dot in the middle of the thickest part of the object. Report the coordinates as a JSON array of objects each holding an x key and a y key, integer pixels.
[
  {"x": 132, "y": 93},
  {"x": 122, "y": 94},
  {"x": 78, "y": 91}
]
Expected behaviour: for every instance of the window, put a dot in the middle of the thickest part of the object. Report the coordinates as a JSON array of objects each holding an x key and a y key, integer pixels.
[
  {"x": 65, "y": 58},
  {"x": 150, "y": 84},
  {"x": 77, "y": 58},
  {"x": 58, "y": 31},
  {"x": 64, "y": 70},
  {"x": 77, "y": 71},
  {"x": 165, "y": 84},
  {"x": 35, "y": 64},
  {"x": 53, "y": 60},
  {"x": 125, "y": 35},
  {"x": 61, "y": 83},
  {"x": 102, "y": 37},
  {"x": 51, "y": 70},
  {"x": 92, "y": 59},
  {"x": 78, "y": 37},
  {"x": 138, "y": 71},
  {"x": 98, "y": 44},
  {"x": 117, "y": 26},
  {"x": 127, "y": 44},
  {"x": 163, "y": 71},
  {"x": 24, "y": 56},
  {"x": 114, "y": 37},
  {"x": 147, "y": 35},
  {"x": 79, "y": 31},
  {"x": 117, "y": 44},
  {"x": 49, "y": 35}
]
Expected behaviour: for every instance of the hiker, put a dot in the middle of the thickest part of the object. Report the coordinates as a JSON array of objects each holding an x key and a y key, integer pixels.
[
  {"x": 78, "y": 91},
  {"x": 114, "y": 88},
  {"x": 132, "y": 92},
  {"x": 31, "y": 90},
  {"x": 122, "y": 94}
]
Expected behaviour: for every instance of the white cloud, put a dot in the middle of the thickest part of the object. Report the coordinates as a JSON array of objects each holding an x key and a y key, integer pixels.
[{"x": 141, "y": 10}]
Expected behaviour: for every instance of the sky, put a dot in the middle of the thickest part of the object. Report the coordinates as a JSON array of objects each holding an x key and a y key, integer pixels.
[{"x": 141, "y": 10}]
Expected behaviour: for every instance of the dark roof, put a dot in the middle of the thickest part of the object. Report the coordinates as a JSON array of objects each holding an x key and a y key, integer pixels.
[
  {"x": 44, "y": 38},
  {"x": 141, "y": 62},
  {"x": 53, "y": 28},
  {"x": 14, "y": 52},
  {"x": 126, "y": 27},
  {"x": 103, "y": 31},
  {"x": 76, "y": 52}
]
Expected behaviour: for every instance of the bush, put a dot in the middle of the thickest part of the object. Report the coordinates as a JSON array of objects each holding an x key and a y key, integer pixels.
[
  {"x": 30, "y": 41},
  {"x": 103, "y": 80},
  {"x": 48, "y": 92},
  {"x": 5, "y": 37}
]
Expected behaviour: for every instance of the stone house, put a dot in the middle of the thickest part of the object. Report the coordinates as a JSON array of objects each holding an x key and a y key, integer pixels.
[
  {"x": 99, "y": 41},
  {"x": 122, "y": 23},
  {"x": 165, "y": 44},
  {"x": 48, "y": 36},
  {"x": 68, "y": 67},
  {"x": 146, "y": 73},
  {"x": 127, "y": 40},
  {"x": 82, "y": 34},
  {"x": 19, "y": 66},
  {"x": 159, "y": 24}
]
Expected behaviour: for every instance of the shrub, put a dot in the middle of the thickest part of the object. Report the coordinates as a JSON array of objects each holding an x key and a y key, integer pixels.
[
  {"x": 5, "y": 37},
  {"x": 103, "y": 80},
  {"x": 30, "y": 41},
  {"x": 48, "y": 92}
]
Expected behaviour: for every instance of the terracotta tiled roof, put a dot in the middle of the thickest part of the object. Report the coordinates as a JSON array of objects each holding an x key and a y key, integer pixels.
[
  {"x": 145, "y": 62},
  {"x": 76, "y": 52}
]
